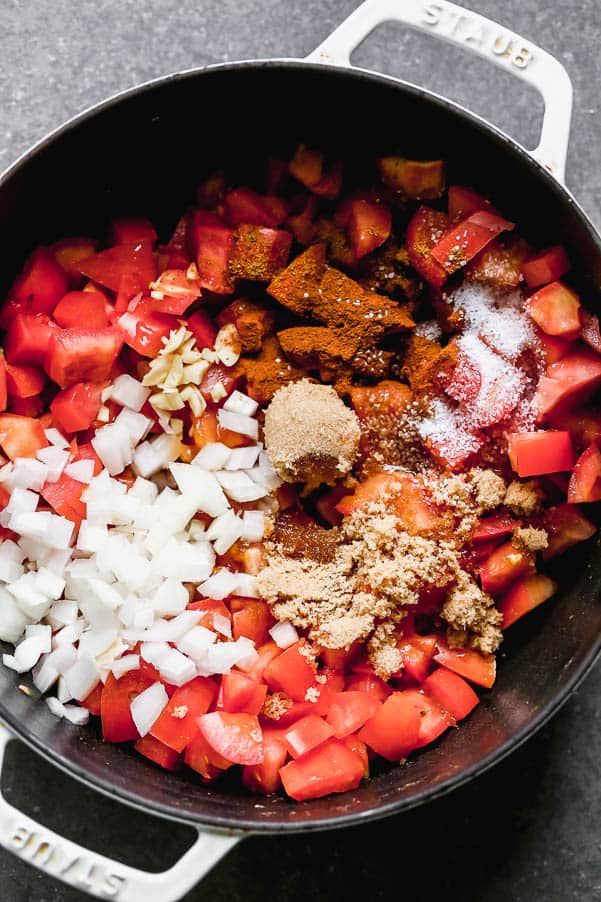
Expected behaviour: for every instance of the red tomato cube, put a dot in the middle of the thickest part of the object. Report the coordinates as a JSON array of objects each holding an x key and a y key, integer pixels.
[
  {"x": 331, "y": 767},
  {"x": 537, "y": 453}
]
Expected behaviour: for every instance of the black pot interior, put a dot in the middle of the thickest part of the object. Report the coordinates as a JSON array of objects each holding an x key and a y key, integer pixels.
[{"x": 143, "y": 155}]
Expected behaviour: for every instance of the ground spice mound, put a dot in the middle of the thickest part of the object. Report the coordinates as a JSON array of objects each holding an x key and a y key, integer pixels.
[
  {"x": 530, "y": 539},
  {"x": 310, "y": 434},
  {"x": 523, "y": 498},
  {"x": 469, "y": 610}
]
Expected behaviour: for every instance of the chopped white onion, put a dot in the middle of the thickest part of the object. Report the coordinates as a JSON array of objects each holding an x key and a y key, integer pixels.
[
  {"x": 253, "y": 526},
  {"x": 284, "y": 634},
  {"x": 135, "y": 424},
  {"x": 240, "y": 487},
  {"x": 12, "y": 619},
  {"x": 222, "y": 624},
  {"x": 56, "y": 438},
  {"x": 113, "y": 446},
  {"x": 243, "y": 458},
  {"x": 212, "y": 456},
  {"x": 170, "y": 598},
  {"x": 238, "y": 422},
  {"x": 128, "y": 392},
  {"x": 124, "y": 665},
  {"x": 200, "y": 487},
  {"x": 82, "y": 678},
  {"x": 146, "y": 707},
  {"x": 176, "y": 668},
  {"x": 195, "y": 642},
  {"x": 220, "y": 584},
  {"x": 81, "y": 470},
  {"x": 240, "y": 403},
  {"x": 55, "y": 459}
]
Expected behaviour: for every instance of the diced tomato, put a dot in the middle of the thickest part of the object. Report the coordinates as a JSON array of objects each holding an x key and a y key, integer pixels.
[
  {"x": 494, "y": 526},
  {"x": 251, "y": 619},
  {"x": 340, "y": 658},
  {"x": 3, "y": 385},
  {"x": 307, "y": 166},
  {"x": 240, "y": 693},
  {"x": 178, "y": 289},
  {"x": 77, "y": 307},
  {"x": 566, "y": 526},
  {"x": 202, "y": 328},
  {"x": 156, "y": 751},
  {"x": 27, "y": 338},
  {"x": 590, "y": 332},
  {"x": 23, "y": 381},
  {"x": 291, "y": 672},
  {"x": 133, "y": 231},
  {"x": 417, "y": 653},
  {"x": 82, "y": 355},
  {"x": 259, "y": 253},
  {"x": 76, "y": 407},
  {"x": 466, "y": 238},
  {"x": 425, "y": 229},
  {"x": 243, "y": 205},
  {"x": 369, "y": 226},
  {"x": 144, "y": 329},
  {"x": 108, "y": 267},
  {"x": 555, "y": 308},
  {"x": 433, "y": 720},
  {"x": 368, "y": 682},
  {"x": 407, "y": 498},
  {"x": 21, "y": 436},
  {"x": 236, "y": 737},
  {"x": 64, "y": 496},
  {"x": 393, "y": 731},
  {"x": 117, "y": 696},
  {"x": 350, "y": 710},
  {"x": 537, "y": 453},
  {"x": 503, "y": 566},
  {"x": 203, "y": 758},
  {"x": 70, "y": 251},
  {"x": 524, "y": 595},
  {"x": 499, "y": 264},
  {"x": 215, "y": 245},
  {"x": 553, "y": 347},
  {"x": 578, "y": 373},
  {"x": 464, "y": 201},
  {"x": 301, "y": 224},
  {"x": 546, "y": 266},
  {"x": 306, "y": 734},
  {"x": 40, "y": 286},
  {"x": 451, "y": 692},
  {"x": 225, "y": 376},
  {"x": 93, "y": 700},
  {"x": 265, "y": 777},
  {"x": 359, "y": 748},
  {"x": 331, "y": 767},
  {"x": 177, "y": 724},
  {"x": 585, "y": 483},
  {"x": 415, "y": 179},
  {"x": 467, "y": 662}
]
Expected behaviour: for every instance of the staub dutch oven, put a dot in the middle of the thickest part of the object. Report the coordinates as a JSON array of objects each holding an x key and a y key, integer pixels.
[{"x": 142, "y": 152}]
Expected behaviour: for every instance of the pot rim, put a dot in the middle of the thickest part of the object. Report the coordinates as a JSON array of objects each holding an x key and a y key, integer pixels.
[{"x": 240, "y": 824}]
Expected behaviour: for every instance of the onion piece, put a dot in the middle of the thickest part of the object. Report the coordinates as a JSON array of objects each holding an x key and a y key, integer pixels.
[
  {"x": 171, "y": 597},
  {"x": 124, "y": 665},
  {"x": 12, "y": 619},
  {"x": 239, "y": 487},
  {"x": 81, "y": 471},
  {"x": 283, "y": 634},
  {"x": 195, "y": 642},
  {"x": 82, "y": 678},
  {"x": 241, "y": 403},
  {"x": 56, "y": 438},
  {"x": 128, "y": 392},
  {"x": 253, "y": 526},
  {"x": 243, "y": 458},
  {"x": 220, "y": 584},
  {"x": 212, "y": 456},
  {"x": 238, "y": 422},
  {"x": 147, "y": 707},
  {"x": 55, "y": 459}
]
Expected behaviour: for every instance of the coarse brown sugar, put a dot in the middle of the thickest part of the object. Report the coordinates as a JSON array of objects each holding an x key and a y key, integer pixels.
[
  {"x": 530, "y": 539},
  {"x": 276, "y": 705},
  {"x": 471, "y": 615},
  {"x": 310, "y": 434},
  {"x": 523, "y": 498}
]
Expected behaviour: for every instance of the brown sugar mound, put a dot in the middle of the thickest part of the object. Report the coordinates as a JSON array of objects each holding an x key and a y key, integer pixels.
[
  {"x": 472, "y": 616},
  {"x": 310, "y": 434}
]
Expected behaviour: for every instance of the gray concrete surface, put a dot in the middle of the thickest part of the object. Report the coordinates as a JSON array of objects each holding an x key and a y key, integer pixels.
[{"x": 530, "y": 831}]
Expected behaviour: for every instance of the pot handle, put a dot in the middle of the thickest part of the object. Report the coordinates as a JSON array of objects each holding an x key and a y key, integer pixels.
[
  {"x": 96, "y": 874},
  {"x": 479, "y": 35}
]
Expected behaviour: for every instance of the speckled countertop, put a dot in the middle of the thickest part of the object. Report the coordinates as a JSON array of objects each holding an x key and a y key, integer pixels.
[{"x": 529, "y": 831}]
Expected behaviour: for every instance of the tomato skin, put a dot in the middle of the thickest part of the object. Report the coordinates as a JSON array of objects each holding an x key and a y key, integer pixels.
[
  {"x": 425, "y": 228},
  {"x": 215, "y": 245},
  {"x": 76, "y": 408},
  {"x": 258, "y": 253},
  {"x": 306, "y": 734},
  {"x": 241, "y": 694},
  {"x": 93, "y": 700},
  {"x": 494, "y": 526},
  {"x": 331, "y": 767},
  {"x": 203, "y": 329},
  {"x": 368, "y": 682},
  {"x": 219, "y": 374},
  {"x": 108, "y": 267},
  {"x": 251, "y": 619},
  {"x": 393, "y": 731},
  {"x": 236, "y": 737},
  {"x": 590, "y": 332},
  {"x": 117, "y": 695},
  {"x": 202, "y": 758},
  {"x": 369, "y": 226},
  {"x": 537, "y": 453},
  {"x": 473, "y": 665},
  {"x": 77, "y": 307},
  {"x": 409, "y": 499},
  {"x": 503, "y": 566},
  {"x": 417, "y": 653},
  {"x": 242, "y": 205},
  {"x": 350, "y": 710},
  {"x": 156, "y": 751},
  {"x": 41, "y": 284},
  {"x": 556, "y": 310},
  {"x": 290, "y": 672},
  {"x": 64, "y": 496},
  {"x": 585, "y": 483},
  {"x": 464, "y": 201},
  {"x": 82, "y": 355},
  {"x": 143, "y": 328},
  {"x": 27, "y": 338},
  {"x": 466, "y": 238},
  {"x": 524, "y": 595},
  {"x": 133, "y": 231},
  {"x": 566, "y": 526},
  {"x": 577, "y": 373},
  {"x": 451, "y": 692},
  {"x": 21, "y": 436},
  {"x": 265, "y": 777},
  {"x": 546, "y": 266},
  {"x": 175, "y": 731},
  {"x": 433, "y": 720},
  {"x": 69, "y": 252}
]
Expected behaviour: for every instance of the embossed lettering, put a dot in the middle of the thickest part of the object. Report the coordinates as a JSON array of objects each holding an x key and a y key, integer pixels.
[
  {"x": 43, "y": 852},
  {"x": 432, "y": 14},
  {"x": 522, "y": 58},
  {"x": 20, "y": 837},
  {"x": 502, "y": 45},
  {"x": 113, "y": 884}
]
